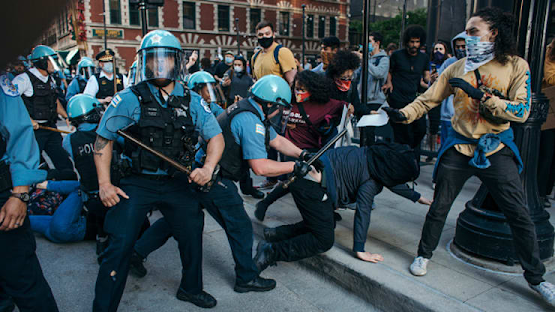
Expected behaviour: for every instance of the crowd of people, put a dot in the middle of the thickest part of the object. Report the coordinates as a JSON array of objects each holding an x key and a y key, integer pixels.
[{"x": 202, "y": 127}]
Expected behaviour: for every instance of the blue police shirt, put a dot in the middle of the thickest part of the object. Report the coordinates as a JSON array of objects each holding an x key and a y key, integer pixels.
[
  {"x": 250, "y": 133},
  {"x": 22, "y": 150},
  {"x": 73, "y": 88},
  {"x": 125, "y": 109}
]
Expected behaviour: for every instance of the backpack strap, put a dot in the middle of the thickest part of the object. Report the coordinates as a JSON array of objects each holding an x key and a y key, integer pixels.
[
  {"x": 303, "y": 114},
  {"x": 276, "y": 53}
]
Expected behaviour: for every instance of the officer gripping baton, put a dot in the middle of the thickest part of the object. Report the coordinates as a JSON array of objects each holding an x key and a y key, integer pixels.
[
  {"x": 320, "y": 152},
  {"x": 53, "y": 129}
]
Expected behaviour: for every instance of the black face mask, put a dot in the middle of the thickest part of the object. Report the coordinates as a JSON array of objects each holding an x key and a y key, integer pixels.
[
  {"x": 161, "y": 82},
  {"x": 460, "y": 53},
  {"x": 265, "y": 42}
]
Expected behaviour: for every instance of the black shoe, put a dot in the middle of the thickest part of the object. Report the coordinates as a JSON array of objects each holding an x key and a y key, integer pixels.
[
  {"x": 255, "y": 193},
  {"x": 337, "y": 217},
  {"x": 203, "y": 299},
  {"x": 265, "y": 255},
  {"x": 7, "y": 305},
  {"x": 260, "y": 211},
  {"x": 137, "y": 267},
  {"x": 270, "y": 235},
  {"x": 257, "y": 284}
]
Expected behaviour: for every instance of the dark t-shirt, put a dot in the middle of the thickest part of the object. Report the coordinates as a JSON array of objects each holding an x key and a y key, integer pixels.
[
  {"x": 220, "y": 69},
  {"x": 406, "y": 72},
  {"x": 305, "y": 136}
]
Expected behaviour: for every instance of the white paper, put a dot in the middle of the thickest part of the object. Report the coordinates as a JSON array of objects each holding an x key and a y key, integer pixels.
[{"x": 375, "y": 120}]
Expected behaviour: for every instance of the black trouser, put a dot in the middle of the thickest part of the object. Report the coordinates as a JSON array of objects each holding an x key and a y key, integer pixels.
[
  {"x": 367, "y": 136},
  {"x": 546, "y": 164},
  {"x": 51, "y": 143},
  {"x": 313, "y": 235},
  {"x": 504, "y": 185},
  {"x": 246, "y": 182},
  {"x": 21, "y": 276},
  {"x": 411, "y": 134}
]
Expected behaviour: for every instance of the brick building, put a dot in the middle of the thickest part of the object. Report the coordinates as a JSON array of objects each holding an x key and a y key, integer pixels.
[{"x": 200, "y": 25}]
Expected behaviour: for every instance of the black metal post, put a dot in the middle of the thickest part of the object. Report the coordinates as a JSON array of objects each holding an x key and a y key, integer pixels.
[
  {"x": 105, "y": 31},
  {"x": 403, "y": 24},
  {"x": 374, "y": 11},
  {"x": 365, "y": 39},
  {"x": 482, "y": 228},
  {"x": 144, "y": 22},
  {"x": 303, "y": 34},
  {"x": 238, "y": 42},
  {"x": 432, "y": 24}
]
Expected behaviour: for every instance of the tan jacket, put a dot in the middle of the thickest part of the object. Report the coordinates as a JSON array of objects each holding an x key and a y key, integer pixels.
[{"x": 512, "y": 79}]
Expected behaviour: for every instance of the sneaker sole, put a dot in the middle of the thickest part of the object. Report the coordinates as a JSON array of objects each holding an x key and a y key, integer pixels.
[{"x": 418, "y": 274}]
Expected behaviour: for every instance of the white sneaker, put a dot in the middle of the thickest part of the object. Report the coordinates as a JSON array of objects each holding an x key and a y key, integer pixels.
[
  {"x": 418, "y": 266},
  {"x": 546, "y": 290}
]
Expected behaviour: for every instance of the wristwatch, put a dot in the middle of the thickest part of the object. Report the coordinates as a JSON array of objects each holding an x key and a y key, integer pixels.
[{"x": 24, "y": 197}]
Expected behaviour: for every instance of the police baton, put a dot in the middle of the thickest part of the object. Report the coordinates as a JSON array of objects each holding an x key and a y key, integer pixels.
[
  {"x": 115, "y": 75},
  {"x": 321, "y": 152},
  {"x": 53, "y": 129}
]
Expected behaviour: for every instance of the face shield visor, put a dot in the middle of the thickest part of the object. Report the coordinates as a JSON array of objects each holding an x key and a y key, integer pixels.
[
  {"x": 86, "y": 72},
  {"x": 160, "y": 63},
  {"x": 132, "y": 76},
  {"x": 278, "y": 116}
]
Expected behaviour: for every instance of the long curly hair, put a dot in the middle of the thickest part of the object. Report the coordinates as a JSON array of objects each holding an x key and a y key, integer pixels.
[
  {"x": 342, "y": 61},
  {"x": 319, "y": 86},
  {"x": 503, "y": 22},
  {"x": 414, "y": 31}
]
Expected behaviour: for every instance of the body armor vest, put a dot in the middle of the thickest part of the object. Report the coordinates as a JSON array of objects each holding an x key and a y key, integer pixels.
[
  {"x": 82, "y": 84},
  {"x": 42, "y": 105},
  {"x": 168, "y": 130},
  {"x": 233, "y": 165},
  {"x": 82, "y": 147},
  {"x": 106, "y": 86}
]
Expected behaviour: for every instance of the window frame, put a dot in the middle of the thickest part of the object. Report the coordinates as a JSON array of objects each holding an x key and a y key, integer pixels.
[
  {"x": 194, "y": 16},
  {"x": 228, "y": 27}
]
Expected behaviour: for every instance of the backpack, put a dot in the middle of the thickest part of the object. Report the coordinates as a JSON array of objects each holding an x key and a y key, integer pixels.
[
  {"x": 276, "y": 56},
  {"x": 392, "y": 163}
]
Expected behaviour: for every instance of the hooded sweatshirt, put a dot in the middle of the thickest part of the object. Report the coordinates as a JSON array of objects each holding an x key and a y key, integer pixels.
[
  {"x": 378, "y": 67},
  {"x": 447, "y": 109}
]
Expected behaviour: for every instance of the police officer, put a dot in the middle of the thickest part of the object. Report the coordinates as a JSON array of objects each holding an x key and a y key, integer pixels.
[
  {"x": 101, "y": 85},
  {"x": 132, "y": 76},
  {"x": 38, "y": 91},
  {"x": 248, "y": 136},
  {"x": 203, "y": 83},
  {"x": 21, "y": 276},
  {"x": 85, "y": 69},
  {"x": 167, "y": 117}
]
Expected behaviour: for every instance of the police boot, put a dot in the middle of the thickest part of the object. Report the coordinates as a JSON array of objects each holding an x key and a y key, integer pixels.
[
  {"x": 203, "y": 299},
  {"x": 265, "y": 255},
  {"x": 257, "y": 284},
  {"x": 137, "y": 267}
]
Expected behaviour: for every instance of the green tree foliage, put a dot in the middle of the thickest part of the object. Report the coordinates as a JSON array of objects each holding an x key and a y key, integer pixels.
[{"x": 391, "y": 28}]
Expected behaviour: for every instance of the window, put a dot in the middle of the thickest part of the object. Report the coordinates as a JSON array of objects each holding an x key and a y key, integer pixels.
[
  {"x": 189, "y": 15},
  {"x": 223, "y": 17},
  {"x": 333, "y": 25},
  {"x": 284, "y": 23},
  {"x": 310, "y": 26},
  {"x": 256, "y": 16},
  {"x": 322, "y": 27},
  {"x": 115, "y": 11},
  {"x": 152, "y": 17}
]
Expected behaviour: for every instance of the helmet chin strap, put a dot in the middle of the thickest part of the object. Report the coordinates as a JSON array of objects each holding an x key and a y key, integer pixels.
[{"x": 162, "y": 82}]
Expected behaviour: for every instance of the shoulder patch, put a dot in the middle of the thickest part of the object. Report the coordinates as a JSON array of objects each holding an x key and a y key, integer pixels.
[
  {"x": 115, "y": 100},
  {"x": 260, "y": 129},
  {"x": 7, "y": 86},
  {"x": 205, "y": 106}
]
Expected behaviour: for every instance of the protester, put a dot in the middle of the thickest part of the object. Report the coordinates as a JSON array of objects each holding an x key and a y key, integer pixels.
[
  {"x": 482, "y": 132},
  {"x": 341, "y": 71},
  {"x": 223, "y": 67},
  {"x": 392, "y": 47},
  {"x": 330, "y": 46},
  {"x": 546, "y": 165},
  {"x": 378, "y": 68},
  {"x": 206, "y": 66},
  {"x": 439, "y": 55},
  {"x": 238, "y": 82}
]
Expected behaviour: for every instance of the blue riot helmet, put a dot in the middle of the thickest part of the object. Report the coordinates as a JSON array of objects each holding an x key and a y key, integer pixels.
[
  {"x": 84, "y": 108},
  {"x": 132, "y": 77},
  {"x": 67, "y": 73},
  {"x": 160, "y": 57},
  {"x": 204, "y": 84},
  {"x": 85, "y": 68},
  {"x": 273, "y": 93},
  {"x": 43, "y": 57}
]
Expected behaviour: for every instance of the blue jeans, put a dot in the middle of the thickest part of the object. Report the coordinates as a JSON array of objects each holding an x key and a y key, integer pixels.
[
  {"x": 66, "y": 224},
  {"x": 179, "y": 205},
  {"x": 445, "y": 126}
]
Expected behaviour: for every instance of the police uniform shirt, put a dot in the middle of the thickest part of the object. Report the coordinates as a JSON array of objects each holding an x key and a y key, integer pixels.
[
  {"x": 250, "y": 133},
  {"x": 92, "y": 85},
  {"x": 22, "y": 150},
  {"x": 73, "y": 87},
  {"x": 125, "y": 108}
]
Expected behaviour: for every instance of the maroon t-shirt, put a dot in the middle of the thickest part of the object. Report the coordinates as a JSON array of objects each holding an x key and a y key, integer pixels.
[{"x": 305, "y": 136}]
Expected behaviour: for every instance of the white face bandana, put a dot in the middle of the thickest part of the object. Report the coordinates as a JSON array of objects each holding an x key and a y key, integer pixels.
[{"x": 477, "y": 53}]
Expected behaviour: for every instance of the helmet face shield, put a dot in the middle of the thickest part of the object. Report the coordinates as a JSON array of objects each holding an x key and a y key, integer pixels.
[
  {"x": 55, "y": 65},
  {"x": 160, "y": 63},
  {"x": 86, "y": 72}
]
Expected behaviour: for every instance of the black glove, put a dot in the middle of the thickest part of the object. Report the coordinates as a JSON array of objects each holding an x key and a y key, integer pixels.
[
  {"x": 301, "y": 169},
  {"x": 466, "y": 87},
  {"x": 394, "y": 114},
  {"x": 306, "y": 156}
]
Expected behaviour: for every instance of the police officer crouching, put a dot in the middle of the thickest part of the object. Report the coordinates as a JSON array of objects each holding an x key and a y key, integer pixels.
[
  {"x": 166, "y": 117},
  {"x": 38, "y": 91},
  {"x": 85, "y": 69},
  {"x": 101, "y": 85}
]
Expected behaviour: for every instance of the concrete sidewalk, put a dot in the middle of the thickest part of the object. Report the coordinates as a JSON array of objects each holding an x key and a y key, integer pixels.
[{"x": 450, "y": 285}]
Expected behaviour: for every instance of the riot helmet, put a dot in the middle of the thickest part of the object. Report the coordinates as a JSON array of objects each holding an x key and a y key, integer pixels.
[
  {"x": 161, "y": 59},
  {"x": 43, "y": 57},
  {"x": 85, "y": 68},
  {"x": 84, "y": 108}
]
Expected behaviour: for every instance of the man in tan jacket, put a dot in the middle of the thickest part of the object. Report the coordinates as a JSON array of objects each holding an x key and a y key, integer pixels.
[{"x": 491, "y": 87}]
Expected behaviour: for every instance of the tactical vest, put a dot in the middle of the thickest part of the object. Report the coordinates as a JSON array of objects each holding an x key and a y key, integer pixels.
[
  {"x": 42, "y": 105},
  {"x": 106, "y": 86},
  {"x": 82, "y": 84},
  {"x": 233, "y": 165},
  {"x": 82, "y": 147},
  {"x": 168, "y": 130}
]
